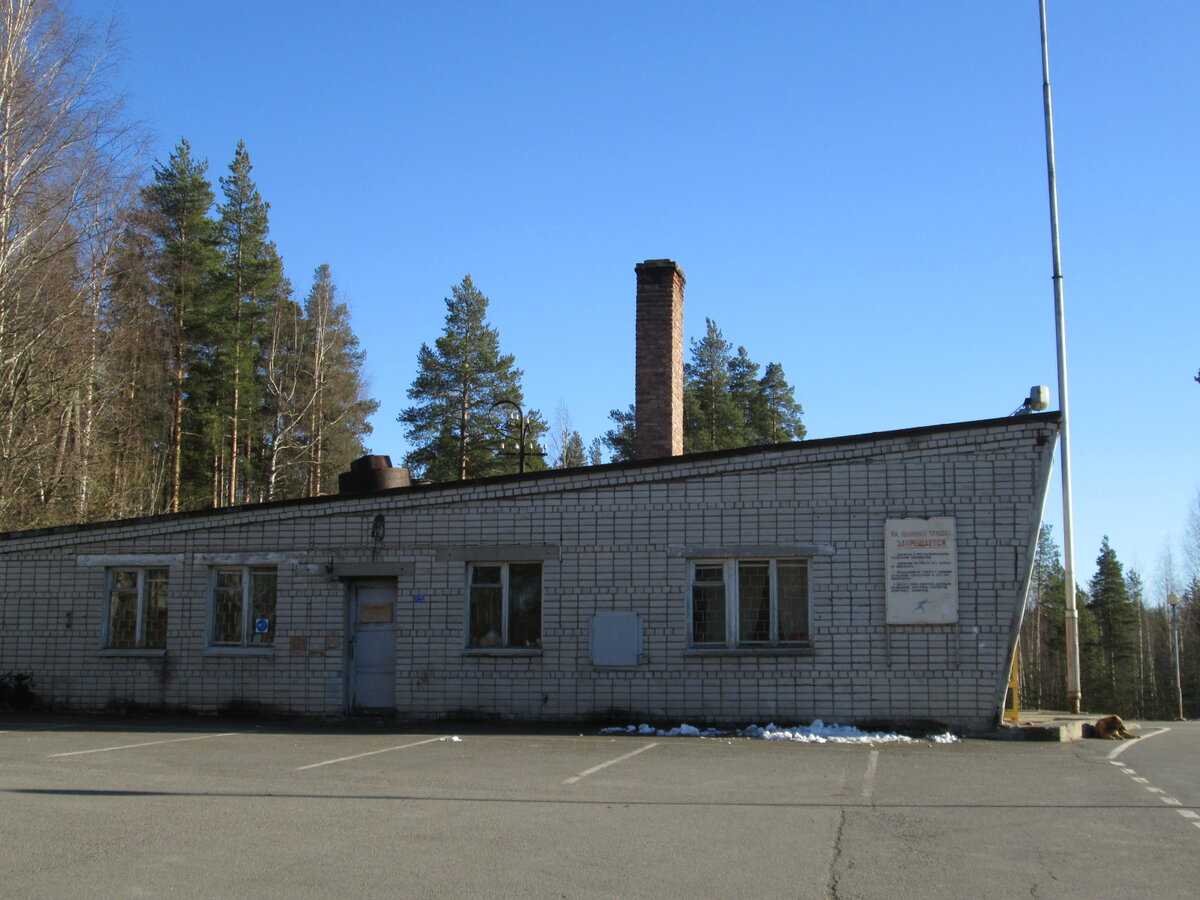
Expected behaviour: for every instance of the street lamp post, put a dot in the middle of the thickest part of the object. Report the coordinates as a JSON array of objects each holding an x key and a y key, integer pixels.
[
  {"x": 1074, "y": 682},
  {"x": 522, "y": 435},
  {"x": 1173, "y": 601}
]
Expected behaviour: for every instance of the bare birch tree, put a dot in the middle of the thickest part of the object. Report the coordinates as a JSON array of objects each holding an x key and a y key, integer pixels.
[
  {"x": 566, "y": 444},
  {"x": 63, "y": 157},
  {"x": 286, "y": 401}
]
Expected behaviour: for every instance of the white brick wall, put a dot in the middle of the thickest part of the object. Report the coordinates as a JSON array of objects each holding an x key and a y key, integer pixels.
[{"x": 619, "y": 533}]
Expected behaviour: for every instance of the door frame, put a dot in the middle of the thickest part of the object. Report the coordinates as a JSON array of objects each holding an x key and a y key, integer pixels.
[{"x": 350, "y": 667}]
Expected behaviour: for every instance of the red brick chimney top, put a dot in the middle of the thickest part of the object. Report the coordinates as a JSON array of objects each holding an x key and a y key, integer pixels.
[{"x": 659, "y": 359}]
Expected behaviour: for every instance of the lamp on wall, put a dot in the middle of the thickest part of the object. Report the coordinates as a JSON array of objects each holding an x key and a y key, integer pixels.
[{"x": 1038, "y": 399}]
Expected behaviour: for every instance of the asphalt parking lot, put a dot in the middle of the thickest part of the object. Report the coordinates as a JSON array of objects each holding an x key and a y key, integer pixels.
[{"x": 94, "y": 807}]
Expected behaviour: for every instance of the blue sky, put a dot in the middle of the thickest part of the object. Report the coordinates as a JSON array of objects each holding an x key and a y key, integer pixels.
[{"x": 855, "y": 189}]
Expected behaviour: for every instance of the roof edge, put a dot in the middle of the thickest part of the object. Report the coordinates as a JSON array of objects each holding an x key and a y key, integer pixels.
[{"x": 661, "y": 462}]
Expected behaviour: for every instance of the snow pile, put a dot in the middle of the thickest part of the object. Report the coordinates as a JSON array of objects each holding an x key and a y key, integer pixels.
[
  {"x": 946, "y": 738},
  {"x": 816, "y": 733},
  {"x": 820, "y": 733},
  {"x": 651, "y": 731}
]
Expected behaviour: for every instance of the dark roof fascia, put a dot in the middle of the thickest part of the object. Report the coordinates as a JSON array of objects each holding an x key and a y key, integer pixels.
[{"x": 661, "y": 462}]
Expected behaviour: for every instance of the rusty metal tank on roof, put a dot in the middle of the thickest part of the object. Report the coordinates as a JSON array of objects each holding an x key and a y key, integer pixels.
[{"x": 372, "y": 473}]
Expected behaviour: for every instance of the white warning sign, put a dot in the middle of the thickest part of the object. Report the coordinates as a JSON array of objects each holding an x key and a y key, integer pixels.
[{"x": 922, "y": 571}]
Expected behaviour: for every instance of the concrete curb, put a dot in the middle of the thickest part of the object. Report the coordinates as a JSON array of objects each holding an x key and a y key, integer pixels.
[
  {"x": 1056, "y": 732},
  {"x": 1058, "y": 727}
]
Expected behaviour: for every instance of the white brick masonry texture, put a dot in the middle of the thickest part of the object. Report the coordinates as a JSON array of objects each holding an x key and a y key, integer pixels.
[{"x": 619, "y": 533}]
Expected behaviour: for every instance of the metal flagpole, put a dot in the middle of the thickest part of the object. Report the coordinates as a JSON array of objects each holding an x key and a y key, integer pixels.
[{"x": 1074, "y": 692}]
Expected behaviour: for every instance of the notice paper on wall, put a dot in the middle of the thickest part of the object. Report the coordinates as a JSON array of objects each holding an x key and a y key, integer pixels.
[{"x": 922, "y": 571}]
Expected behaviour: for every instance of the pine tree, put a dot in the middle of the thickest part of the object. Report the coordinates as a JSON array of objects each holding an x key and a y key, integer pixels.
[
  {"x": 250, "y": 273},
  {"x": 185, "y": 265},
  {"x": 1145, "y": 693},
  {"x": 453, "y": 426},
  {"x": 573, "y": 453},
  {"x": 726, "y": 403},
  {"x": 620, "y": 440},
  {"x": 337, "y": 406},
  {"x": 1114, "y": 652},
  {"x": 1096, "y": 686},
  {"x": 743, "y": 386},
  {"x": 1043, "y": 644},
  {"x": 775, "y": 414},
  {"x": 712, "y": 418}
]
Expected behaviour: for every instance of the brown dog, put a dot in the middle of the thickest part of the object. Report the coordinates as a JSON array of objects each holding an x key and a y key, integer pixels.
[{"x": 1112, "y": 728}]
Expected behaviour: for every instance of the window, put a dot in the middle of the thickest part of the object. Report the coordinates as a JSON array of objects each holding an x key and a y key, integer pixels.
[
  {"x": 505, "y": 605},
  {"x": 137, "y": 609},
  {"x": 242, "y": 607},
  {"x": 749, "y": 603}
]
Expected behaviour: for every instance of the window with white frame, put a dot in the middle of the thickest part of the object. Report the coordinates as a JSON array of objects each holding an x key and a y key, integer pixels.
[
  {"x": 504, "y": 605},
  {"x": 136, "y": 614},
  {"x": 242, "y": 606},
  {"x": 749, "y": 603}
]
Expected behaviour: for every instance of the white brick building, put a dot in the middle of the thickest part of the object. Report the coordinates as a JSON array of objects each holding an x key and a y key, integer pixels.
[
  {"x": 879, "y": 577},
  {"x": 728, "y": 587}
]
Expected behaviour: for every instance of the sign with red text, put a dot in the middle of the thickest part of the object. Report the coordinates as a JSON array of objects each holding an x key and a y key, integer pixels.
[{"x": 922, "y": 571}]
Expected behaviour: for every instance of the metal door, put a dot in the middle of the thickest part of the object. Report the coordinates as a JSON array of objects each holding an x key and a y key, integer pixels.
[{"x": 373, "y": 645}]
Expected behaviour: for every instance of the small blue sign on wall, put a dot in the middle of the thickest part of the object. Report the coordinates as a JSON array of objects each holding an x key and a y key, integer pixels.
[
  {"x": 262, "y": 626},
  {"x": 419, "y": 598}
]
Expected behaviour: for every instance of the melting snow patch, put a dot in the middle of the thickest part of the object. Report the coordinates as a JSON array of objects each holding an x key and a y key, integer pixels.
[
  {"x": 820, "y": 733},
  {"x": 816, "y": 733},
  {"x": 651, "y": 731},
  {"x": 946, "y": 738}
]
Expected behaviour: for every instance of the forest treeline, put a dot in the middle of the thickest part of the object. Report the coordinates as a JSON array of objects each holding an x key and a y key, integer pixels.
[
  {"x": 726, "y": 402},
  {"x": 467, "y": 418},
  {"x": 152, "y": 356},
  {"x": 155, "y": 358},
  {"x": 1126, "y": 653}
]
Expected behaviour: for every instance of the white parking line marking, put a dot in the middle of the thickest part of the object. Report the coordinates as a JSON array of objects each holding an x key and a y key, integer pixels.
[
  {"x": 868, "y": 787},
  {"x": 330, "y": 762},
  {"x": 202, "y": 737},
  {"x": 612, "y": 762},
  {"x": 1125, "y": 745},
  {"x": 1193, "y": 816}
]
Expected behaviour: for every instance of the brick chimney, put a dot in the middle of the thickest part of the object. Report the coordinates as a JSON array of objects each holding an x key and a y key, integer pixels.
[{"x": 659, "y": 390}]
